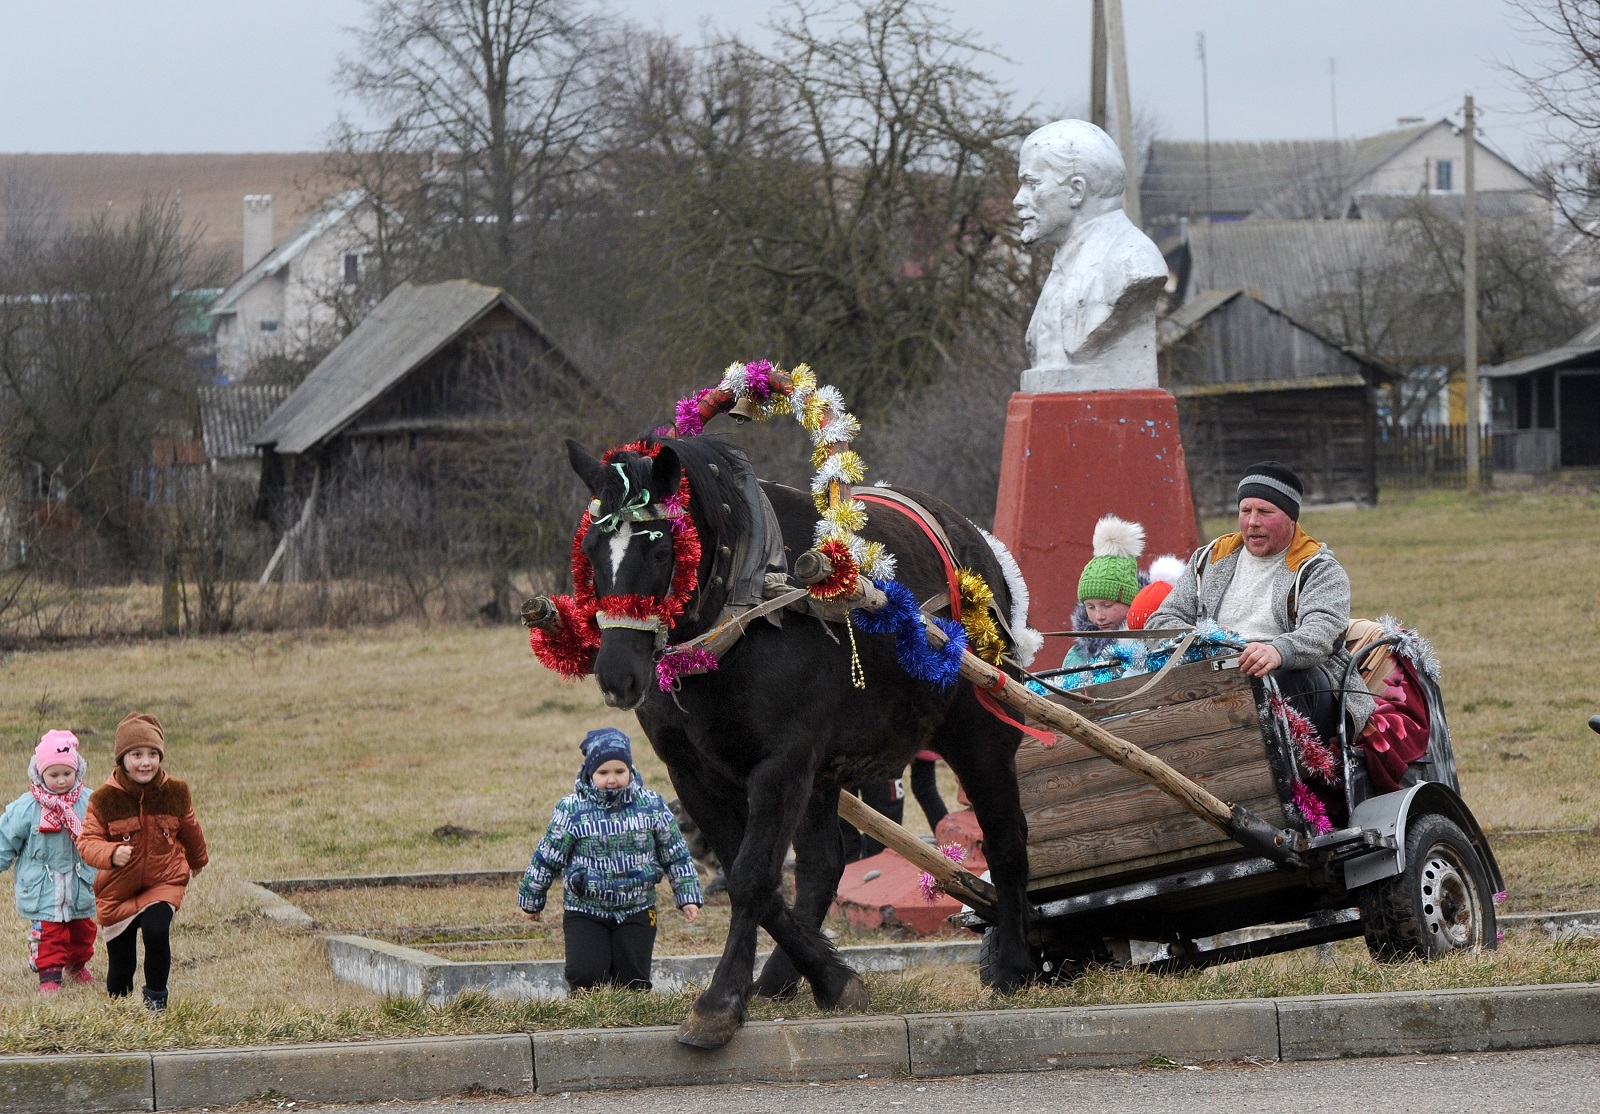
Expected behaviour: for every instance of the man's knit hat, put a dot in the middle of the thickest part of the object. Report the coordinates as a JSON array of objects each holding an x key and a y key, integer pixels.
[
  {"x": 1113, "y": 573},
  {"x": 602, "y": 745},
  {"x": 140, "y": 729},
  {"x": 1277, "y": 484},
  {"x": 56, "y": 748}
]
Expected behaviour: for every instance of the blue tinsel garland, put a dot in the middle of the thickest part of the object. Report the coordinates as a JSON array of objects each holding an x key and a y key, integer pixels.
[
  {"x": 903, "y": 619},
  {"x": 1130, "y": 657}
]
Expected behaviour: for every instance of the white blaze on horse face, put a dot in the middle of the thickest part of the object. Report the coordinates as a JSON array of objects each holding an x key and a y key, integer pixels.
[{"x": 619, "y": 548}]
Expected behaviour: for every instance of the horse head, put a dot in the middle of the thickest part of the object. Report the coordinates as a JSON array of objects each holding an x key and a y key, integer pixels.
[{"x": 636, "y": 523}]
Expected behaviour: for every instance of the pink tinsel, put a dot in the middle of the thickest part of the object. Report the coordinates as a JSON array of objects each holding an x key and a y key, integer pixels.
[
  {"x": 1500, "y": 898},
  {"x": 1311, "y": 808},
  {"x": 686, "y": 415},
  {"x": 675, "y": 665},
  {"x": 758, "y": 378},
  {"x": 930, "y": 888},
  {"x": 1314, "y": 754}
]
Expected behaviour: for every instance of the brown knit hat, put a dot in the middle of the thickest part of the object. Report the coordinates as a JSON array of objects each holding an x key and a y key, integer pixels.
[{"x": 140, "y": 729}]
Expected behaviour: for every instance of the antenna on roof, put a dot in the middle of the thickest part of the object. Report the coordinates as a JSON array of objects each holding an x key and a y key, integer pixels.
[
  {"x": 1333, "y": 99},
  {"x": 1205, "y": 109}
]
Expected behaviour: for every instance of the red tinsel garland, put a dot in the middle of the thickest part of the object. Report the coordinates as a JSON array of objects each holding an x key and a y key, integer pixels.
[
  {"x": 570, "y": 651},
  {"x": 842, "y": 581}
]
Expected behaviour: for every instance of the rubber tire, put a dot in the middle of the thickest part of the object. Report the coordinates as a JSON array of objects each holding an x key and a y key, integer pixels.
[
  {"x": 1400, "y": 917},
  {"x": 988, "y": 951}
]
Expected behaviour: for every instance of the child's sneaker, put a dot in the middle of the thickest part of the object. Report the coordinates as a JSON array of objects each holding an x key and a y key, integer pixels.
[
  {"x": 79, "y": 973},
  {"x": 48, "y": 988}
]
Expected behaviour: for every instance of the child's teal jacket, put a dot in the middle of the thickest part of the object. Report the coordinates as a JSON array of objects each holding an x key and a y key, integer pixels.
[{"x": 53, "y": 882}]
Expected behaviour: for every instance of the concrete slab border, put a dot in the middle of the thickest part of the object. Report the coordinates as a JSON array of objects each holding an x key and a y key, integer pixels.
[{"x": 1306, "y": 1028}]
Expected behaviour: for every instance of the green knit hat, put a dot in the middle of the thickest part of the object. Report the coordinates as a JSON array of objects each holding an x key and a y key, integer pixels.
[{"x": 1113, "y": 574}]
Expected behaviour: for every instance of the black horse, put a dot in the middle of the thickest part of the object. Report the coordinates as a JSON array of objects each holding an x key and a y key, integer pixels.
[{"x": 758, "y": 749}]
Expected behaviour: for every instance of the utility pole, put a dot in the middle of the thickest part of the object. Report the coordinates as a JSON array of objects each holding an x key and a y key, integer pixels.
[
  {"x": 1333, "y": 99},
  {"x": 1117, "y": 54},
  {"x": 1097, "y": 66},
  {"x": 1469, "y": 289},
  {"x": 1205, "y": 110}
]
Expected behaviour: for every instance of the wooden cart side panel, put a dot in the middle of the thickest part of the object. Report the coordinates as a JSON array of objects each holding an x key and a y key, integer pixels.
[
  {"x": 1099, "y": 797},
  {"x": 1087, "y": 816}
]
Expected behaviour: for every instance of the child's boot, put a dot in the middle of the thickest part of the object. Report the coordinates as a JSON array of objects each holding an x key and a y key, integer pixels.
[
  {"x": 77, "y": 972},
  {"x": 50, "y": 980},
  {"x": 155, "y": 1000}
]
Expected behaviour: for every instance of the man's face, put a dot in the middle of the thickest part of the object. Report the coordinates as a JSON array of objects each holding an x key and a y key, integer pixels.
[
  {"x": 1047, "y": 204},
  {"x": 1267, "y": 530}
]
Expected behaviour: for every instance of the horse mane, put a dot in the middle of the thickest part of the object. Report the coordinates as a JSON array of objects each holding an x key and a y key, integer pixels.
[{"x": 716, "y": 498}]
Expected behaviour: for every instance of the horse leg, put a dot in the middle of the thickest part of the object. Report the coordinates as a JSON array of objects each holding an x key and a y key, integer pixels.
[
  {"x": 819, "y": 863},
  {"x": 982, "y": 752},
  {"x": 773, "y": 810}
]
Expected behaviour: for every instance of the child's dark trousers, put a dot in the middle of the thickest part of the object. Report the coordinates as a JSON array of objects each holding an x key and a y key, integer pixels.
[
  {"x": 155, "y": 923},
  {"x": 601, "y": 951}
]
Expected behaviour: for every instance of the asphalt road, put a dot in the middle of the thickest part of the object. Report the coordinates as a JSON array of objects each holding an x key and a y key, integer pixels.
[{"x": 1555, "y": 1080}]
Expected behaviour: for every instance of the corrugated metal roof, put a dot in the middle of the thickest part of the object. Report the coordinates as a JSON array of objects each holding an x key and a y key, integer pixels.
[
  {"x": 400, "y": 333},
  {"x": 1290, "y": 264},
  {"x": 1540, "y": 361},
  {"x": 1175, "y": 325},
  {"x": 230, "y": 414},
  {"x": 1282, "y": 177}
]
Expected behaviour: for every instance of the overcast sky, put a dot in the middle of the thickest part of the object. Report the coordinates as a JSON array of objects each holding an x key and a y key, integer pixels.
[{"x": 230, "y": 75}]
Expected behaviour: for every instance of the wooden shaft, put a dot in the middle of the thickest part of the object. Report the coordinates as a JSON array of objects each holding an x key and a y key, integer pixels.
[
  {"x": 813, "y": 567},
  {"x": 540, "y": 614},
  {"x": 1187, "y": 792},
  {"x": 951, "y": 877}
]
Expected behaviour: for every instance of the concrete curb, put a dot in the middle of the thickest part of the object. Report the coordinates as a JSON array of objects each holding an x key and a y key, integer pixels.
[
  {"x": 1308, "y": 1028},
  {"x": 399, "y": 971}
]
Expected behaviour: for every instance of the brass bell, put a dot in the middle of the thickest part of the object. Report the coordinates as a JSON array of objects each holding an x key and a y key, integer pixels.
[{"x": 745, "y": 410}]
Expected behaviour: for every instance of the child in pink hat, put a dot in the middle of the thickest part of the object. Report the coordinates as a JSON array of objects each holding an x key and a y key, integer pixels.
[{"x": 55, "y": 887}]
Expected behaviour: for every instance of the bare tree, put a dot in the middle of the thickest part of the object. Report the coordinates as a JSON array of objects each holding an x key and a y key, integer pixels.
[
  {"x": 488, "y": 131},
  {"x": 1565, "y": 90},
  {"x": 1403, "y": 304},
  {"x": 97, "y": 345},
  {"x": 842, "y": 198}
]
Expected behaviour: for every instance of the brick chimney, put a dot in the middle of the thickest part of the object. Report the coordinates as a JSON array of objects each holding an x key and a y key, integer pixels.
[{"x": 257, "y": 228}]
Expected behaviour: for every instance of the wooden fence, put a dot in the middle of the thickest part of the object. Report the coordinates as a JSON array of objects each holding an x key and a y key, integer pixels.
[{"x": 1430, "y": 456}]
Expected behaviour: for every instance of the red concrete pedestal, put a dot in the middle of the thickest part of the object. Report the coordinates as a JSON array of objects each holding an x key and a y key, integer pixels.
[{"x": 1068, "y": 460}]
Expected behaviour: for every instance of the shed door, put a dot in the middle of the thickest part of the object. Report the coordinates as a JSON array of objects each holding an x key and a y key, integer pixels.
[{"x": 1580, "y": 421}]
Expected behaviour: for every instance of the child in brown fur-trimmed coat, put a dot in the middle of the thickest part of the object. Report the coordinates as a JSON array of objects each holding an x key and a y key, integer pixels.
[{"x": 141, "y": 834}]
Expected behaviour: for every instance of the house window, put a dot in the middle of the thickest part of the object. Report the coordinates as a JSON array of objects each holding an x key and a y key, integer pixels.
[
  {"x": 1443, "y": 175},
  {"x": 269, "y": 326},
  {"x": 352, "y": 268}
]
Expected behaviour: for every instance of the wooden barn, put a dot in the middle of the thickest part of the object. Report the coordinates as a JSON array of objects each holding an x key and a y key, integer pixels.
[
  {"x": 431, "y": 366},
  {"x": 1545, "y": 408},
  {"x": 1254, "y": 384}
]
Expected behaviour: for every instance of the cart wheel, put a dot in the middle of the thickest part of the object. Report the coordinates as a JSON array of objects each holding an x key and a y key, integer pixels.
[{"x": 1439, "y": 904}]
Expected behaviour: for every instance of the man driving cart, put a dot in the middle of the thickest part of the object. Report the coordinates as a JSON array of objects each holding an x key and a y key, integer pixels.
[{"x": 1284, "y": 592}]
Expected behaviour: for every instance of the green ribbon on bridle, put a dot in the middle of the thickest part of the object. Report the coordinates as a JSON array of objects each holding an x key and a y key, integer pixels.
[{"x": 635, "y": 508}]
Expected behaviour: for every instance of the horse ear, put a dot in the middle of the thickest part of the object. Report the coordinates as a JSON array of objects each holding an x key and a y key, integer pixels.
[
  {"x": 589, "y": 470},
  {"x": 664, "y": 473}
]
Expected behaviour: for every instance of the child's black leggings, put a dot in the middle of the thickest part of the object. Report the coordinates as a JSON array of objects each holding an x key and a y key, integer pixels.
[
  {"x": 155, "y": 921},
  {"x": 601, "y": 951}
]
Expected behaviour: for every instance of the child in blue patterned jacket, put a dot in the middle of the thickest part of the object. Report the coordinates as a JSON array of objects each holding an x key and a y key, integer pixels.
[{"x": 612, "y": 840}]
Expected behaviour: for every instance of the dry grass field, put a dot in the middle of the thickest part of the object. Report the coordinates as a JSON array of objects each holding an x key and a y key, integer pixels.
[{"x": 344, "y": 753}]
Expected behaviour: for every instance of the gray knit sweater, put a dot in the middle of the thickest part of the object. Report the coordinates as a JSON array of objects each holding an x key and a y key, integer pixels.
[{"x": 1314, "y": 635}]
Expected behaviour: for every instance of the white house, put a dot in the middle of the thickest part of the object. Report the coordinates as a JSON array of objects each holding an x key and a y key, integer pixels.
[
  {"x": 283, "y": 302},
  {"x": 1374, "y": 176}
]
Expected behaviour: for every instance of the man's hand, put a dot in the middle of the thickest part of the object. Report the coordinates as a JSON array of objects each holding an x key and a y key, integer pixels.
[
  {"x": 1259, "y": 659},
  {"x": 530, "y": 916},
  {"x": 691, "y": 913},
  {"x": 121, "y": 855}
]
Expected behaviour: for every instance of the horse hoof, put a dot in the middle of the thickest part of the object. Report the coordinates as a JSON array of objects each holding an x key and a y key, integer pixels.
[
  {"x": 853, "y": 997},
  {"x": 700, "y": 1031}
]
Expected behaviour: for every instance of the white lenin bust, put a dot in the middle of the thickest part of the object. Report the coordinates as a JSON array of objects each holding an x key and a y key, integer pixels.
[{"x": 1094, "y": 328}]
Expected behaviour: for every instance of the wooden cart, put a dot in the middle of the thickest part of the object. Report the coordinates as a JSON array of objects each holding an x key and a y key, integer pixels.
[{"x": 1128, "y": 843}]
